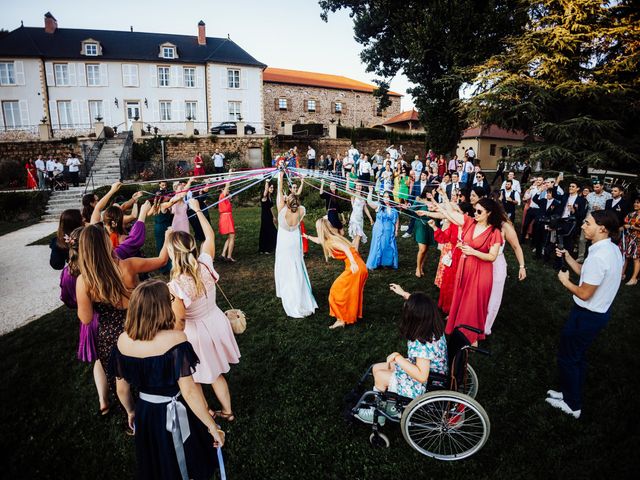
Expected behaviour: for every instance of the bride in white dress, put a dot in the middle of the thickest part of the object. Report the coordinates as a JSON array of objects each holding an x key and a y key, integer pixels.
[
  {"x": 292, "y": 281},
  {"x": 356, "y": 221}
]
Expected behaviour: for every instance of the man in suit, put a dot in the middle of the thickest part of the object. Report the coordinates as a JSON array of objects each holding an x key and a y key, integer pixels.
[
  {"x": 574, "y": 206},
  {"x": 481, "y": 181},
  {"x": 549, "y": 207},
  {"x": 455, "y": 184},
  {"x": 617, "y": 204}
]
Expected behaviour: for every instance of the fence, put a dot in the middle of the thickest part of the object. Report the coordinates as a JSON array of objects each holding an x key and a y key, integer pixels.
[
  {"x": 20, "y": 133},
  {"x": 90, "y": 158},
  {"x": 126, "y": 158}
]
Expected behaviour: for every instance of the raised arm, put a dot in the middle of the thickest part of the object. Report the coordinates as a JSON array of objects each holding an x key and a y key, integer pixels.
[
  {"x": 131, "y": 202},
  {"x": 96, "y": 216},
  {"x": 280, "y": 196},
  {"x": 266, "y": 191},
  {"x": 370, "y": 202},
  {"x": 225, "y": 191},
  {"x": 209, "y": 244},
  {"x": 299, "y": 190},
  {"x": 322, "y": 186}
]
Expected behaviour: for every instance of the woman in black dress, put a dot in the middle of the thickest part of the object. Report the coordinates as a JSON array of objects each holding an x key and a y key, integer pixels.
[
  {"x": 159, "y": 362},
  {"x": 268, "y": 230}
]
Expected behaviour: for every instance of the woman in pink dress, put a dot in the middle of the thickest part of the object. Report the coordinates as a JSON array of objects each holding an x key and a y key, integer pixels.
[
  {"x": 198, "y": 165},
  {"x": 480, "y": 241},
  {"x": 178, "y": 206},
  {"x": 193, "y": 284},
  {"x": 226, "y": 225}
]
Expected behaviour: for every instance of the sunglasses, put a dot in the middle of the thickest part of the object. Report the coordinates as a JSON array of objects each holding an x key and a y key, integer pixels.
[{"x": 478, "y": 212}]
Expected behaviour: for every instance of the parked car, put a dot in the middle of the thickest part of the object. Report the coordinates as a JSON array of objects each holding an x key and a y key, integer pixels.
[{"x": 231, "y": 129}]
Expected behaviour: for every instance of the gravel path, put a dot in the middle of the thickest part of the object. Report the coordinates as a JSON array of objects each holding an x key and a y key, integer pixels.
[{"x": 29, "y": 287}]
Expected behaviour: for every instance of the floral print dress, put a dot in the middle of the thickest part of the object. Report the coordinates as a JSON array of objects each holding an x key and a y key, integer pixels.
[{"x": 435, "y": 352}]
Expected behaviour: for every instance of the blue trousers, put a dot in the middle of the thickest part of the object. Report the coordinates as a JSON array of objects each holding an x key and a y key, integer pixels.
[{"x": 580, "y": 330}]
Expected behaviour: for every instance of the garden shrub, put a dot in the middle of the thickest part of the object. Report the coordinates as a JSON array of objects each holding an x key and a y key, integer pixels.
[{"x": 21, "y": 206}]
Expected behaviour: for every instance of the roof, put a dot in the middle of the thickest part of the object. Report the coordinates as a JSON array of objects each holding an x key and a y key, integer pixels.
[
  {"x": 408, "y": 116},
  {"x": 493, "y": 131},
  {"x": 65, "y": 44},
  {"x": 313, "y": 79}
]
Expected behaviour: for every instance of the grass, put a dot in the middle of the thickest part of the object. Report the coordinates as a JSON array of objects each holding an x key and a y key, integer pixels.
[{"x": 288, "y": 388}]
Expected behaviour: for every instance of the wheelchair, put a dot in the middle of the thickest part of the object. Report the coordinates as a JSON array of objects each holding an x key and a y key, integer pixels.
[
  {"x": 58, "y": 183},
  {"x": 446, "y": 422}
]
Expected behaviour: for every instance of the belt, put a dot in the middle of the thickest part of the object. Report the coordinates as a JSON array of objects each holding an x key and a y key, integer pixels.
[{"x": 177, "y": 424}]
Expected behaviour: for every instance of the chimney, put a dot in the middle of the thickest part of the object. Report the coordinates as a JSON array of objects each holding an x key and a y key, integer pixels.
[
  {"x": 50, "y": 23},
  {"x": 202, "y": 33}
]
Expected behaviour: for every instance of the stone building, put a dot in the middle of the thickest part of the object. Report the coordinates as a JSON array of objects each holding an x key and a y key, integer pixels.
[
  {"x": 295, "y": 96},
  {"x": 405, "y": 122},
  {"x": 490, "y": 142}
]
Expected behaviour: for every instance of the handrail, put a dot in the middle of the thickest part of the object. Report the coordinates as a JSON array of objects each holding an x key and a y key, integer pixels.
[
  {"x": 90, "y": 158},
  {"x": 125, "y": 156}
]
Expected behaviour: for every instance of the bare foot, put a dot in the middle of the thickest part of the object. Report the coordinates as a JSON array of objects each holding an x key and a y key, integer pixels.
[
  {"x": 418, "y": 273},
  {"x": 338, "y": 323}
]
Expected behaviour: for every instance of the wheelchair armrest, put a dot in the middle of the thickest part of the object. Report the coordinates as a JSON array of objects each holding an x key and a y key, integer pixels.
[
  {"x": 476, "y": 349},
  {"x": 469, "y": 327}
]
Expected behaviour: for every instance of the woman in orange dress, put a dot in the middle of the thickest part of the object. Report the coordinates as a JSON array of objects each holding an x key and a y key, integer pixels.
[
  {"x": 226, "y": 226},
  {"x": 347, "y": 292},
  {"x": 32, "y": 182}
]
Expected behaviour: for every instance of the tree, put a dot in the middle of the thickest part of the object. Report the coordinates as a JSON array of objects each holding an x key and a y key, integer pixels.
[
  {"x": 430, "y": 41},
  {"x": 571, "y": 80}
]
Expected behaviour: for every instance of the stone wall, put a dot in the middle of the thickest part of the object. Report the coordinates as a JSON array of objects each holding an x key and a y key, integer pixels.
[{"x": 357, "y": 107}]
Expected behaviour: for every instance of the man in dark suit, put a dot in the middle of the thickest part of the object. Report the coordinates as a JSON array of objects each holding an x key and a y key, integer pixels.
[
  {"x": 550, "y": 208},
  {"x": 617, "y": 203},
  {"x": 454, "y": 185},
  {"x": 481, "y": 181},
  {"x": 574, "y": 207}
]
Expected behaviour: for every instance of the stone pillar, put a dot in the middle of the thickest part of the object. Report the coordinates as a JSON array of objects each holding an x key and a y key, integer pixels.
[
  {"x": 44, "y": 131},
  {"x": 190, "y": 127},
  {"x": 288, "y": 128},
  {"x": 333, "y": 130},
  {"x": 240, "y": 128},
  {"x": 136, "y": 127},
  {"x": 98, "y": 128}
]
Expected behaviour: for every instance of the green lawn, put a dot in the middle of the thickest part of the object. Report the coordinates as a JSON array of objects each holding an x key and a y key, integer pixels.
[{"x": 288, "y": 389}]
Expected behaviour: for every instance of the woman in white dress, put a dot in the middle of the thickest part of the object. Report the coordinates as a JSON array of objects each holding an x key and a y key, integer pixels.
[
  {"x": 292, "y": 281},
  {"x": 356, "y": 221}
]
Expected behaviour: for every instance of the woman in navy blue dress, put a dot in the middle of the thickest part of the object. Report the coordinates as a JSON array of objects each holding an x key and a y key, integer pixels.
[{"x": 175, "y": 434}]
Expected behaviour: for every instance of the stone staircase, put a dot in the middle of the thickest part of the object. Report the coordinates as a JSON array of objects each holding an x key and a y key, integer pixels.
[{"x": 105, "y": 171}]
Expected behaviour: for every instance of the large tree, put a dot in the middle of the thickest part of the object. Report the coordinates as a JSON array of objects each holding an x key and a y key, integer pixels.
[
  {"x": 430, "y": 41},
  {"x": 571, "y": 81}
]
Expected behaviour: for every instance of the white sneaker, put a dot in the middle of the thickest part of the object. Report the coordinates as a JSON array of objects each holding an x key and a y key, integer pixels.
[
  {"x": 404, "y": 228},
  {"x": 365, "y": 415},
  {"x": 406, "y": 235},
  {"x": 554, "y": 394},
  {"x": 561, "y": 404}
]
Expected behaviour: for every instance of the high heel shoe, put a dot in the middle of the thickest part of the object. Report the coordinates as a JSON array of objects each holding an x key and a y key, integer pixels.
[{"x": 229, "y": 417}]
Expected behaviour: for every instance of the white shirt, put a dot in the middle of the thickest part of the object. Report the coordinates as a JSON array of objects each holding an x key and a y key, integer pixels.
[
  {"x": 58, "y": 167},
  {"x": 602, "y": 267},
  {"x": 364, "y": 167},
  {"x": 471, "y": 153},
  {"x": 514, "y": 183},
  {"x": 597, "y": 201},
  {"x": 393, "y": 153},
  {"x": 40, "y": 165},
  {"x": 51, "y": 165},
  {"x": 516, "y": 195},
  {"x": 416, "y": 166},
  {"x": 571, "y": 199},
  {"x": 468, "y": 167},
  {"x": 453, "y": 164},
  {"x": 218, "y": 160},
  {"x": 352, "y": 153},
  {"x": 311, "y": 154},
  {"x": 532, "y": 192},
  {"x": 73, "y": 164}
]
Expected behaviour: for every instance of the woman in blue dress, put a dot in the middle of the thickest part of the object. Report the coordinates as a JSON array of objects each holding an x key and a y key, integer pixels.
[{"x": 384, "y": 248}]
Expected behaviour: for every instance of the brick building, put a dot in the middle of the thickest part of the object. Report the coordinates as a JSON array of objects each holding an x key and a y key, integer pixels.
[{"x": 307, "y": 97}]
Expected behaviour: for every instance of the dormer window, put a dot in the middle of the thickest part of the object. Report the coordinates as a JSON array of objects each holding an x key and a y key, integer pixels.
[
  {"x": 168, "y": 51},
  {"x": 91, "y": 49}
]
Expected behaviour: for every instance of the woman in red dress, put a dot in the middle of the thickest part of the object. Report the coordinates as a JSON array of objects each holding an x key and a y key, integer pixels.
[
  {"x": 347, "y": 291},
  {"x": 198, "y": 166},
  {"x": 479, "y": 242},
  {"x": 442, "y": 166},
  {"x": 226, "y": 226},
  {"x": 450, "y": 263},
  {"x": 32, "y": 181}
]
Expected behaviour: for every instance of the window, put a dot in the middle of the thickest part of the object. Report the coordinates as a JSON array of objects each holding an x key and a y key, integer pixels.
[
  {"x": 189, "y": 74},
  {"x": 338, "y": 107},
  {"x": 492, "y": 149},
  {"x": 91, "y": 49},
  {"x": 11, "y": 112},
  {"x": 282, "y": 103},
  {"x": 95, "y": 110},
  {"x": 129, "y": 75},
  {"x": 7, "y": 74},
  {"x": 62, "y": 74},
  {"x": 234, "y": 111},
  {"x": 311, "y": 105},
  {"x": 64, "y": 114},
  {"x": 233, "y": 78},
  {"x": 190, "y": 109},
  {"x": 163, "y": 76},
  {"x": 168, "y": 52},
  {"x": 165, "y": 111},
  {"x": 93, "y": 75}
]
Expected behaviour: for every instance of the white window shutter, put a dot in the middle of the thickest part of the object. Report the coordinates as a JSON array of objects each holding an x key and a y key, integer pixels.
[
  {"x": 156, "y": 111},
  {"x": 106, "y": 107},
  {"x": 104, "y": 75},
  {"x": 86, "y": 115},
  {"x": 199, "y": 79},
  {"x": 244, "y": 79},
  {"x": 177, "y": 77},
  {"x": 82, "y": 75},
  {"x": 223, "y": 78},
  {"x": 178, "y": 112},
  {"x": 53, "y": 111},
  {"x": 24, "y": 113},
  {"x": 153, "y": 74},
  {"x": 51, "y": 79},
  {"x": 18, "y": 69},
  {"x": 75, "y": 113},
  {"x": 72, "y": 74}
]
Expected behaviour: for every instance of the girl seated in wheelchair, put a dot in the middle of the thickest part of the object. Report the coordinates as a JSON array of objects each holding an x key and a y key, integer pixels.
[{"x": 423, "y": 328}]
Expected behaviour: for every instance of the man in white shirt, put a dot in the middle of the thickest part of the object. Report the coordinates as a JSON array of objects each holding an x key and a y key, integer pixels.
[
  {"x": 471, "y": 153},
  {"x": 218, "y": 161},
  {"x": 510, "y": 198},
  {"x": 364, "y": 170},
  {"x": 600, "y": 278},
  {"x": 417, "y": 166},
  {"x": 516, "y": 184},
  {"x": 50, "y": 167},
  {"x": 311, "y": 158},
  {"x": 394, "y": 154},
  {"x": 42, "y": 172},
  {"x": 73, "y": 164},
  {"x": 353, "y": 153}
]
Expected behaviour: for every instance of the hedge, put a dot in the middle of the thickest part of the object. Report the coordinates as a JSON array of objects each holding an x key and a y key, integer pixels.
[{"x": 22, "y": 206}]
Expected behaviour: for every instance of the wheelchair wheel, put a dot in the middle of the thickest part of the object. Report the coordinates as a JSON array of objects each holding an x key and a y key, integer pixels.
[
  {"x": 379, "y": 440},
  {"x": 470, "y": 386},
  {"x": 445, "y": 425}
]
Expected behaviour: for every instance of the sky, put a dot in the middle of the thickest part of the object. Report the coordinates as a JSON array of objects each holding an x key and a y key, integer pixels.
[{"x": 279, "y": 33}]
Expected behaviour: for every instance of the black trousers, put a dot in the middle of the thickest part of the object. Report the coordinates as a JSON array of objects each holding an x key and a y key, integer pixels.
[{"x": 75, "y": 178}]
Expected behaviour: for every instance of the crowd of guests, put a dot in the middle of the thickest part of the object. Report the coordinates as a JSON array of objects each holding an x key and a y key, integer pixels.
[{"x": 49, "y": 174}]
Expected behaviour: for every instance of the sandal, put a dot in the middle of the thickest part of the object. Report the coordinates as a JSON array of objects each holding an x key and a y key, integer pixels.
[
  {"x": 229, "y": 417},
  {"x": 104, "y": 411}
]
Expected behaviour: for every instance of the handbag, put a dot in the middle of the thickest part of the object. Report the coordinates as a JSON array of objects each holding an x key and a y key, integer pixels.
[{"x": 236, "y": 317}]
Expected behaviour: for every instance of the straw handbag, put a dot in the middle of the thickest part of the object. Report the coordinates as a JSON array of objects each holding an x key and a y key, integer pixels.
[{"x": 237, "y": 318}]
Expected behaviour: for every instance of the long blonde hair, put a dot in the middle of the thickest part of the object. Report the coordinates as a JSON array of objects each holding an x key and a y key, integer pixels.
[
  {"x": 329, "y": 238},
  {"x": 184, "y": 257},
  {"x": 149, "y": 310},
  {"x": 73, "y": 243},
  {"x": 98, "y": 267}
]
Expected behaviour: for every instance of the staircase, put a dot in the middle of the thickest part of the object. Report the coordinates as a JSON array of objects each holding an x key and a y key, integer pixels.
[{"x": 105, "y": 171}]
